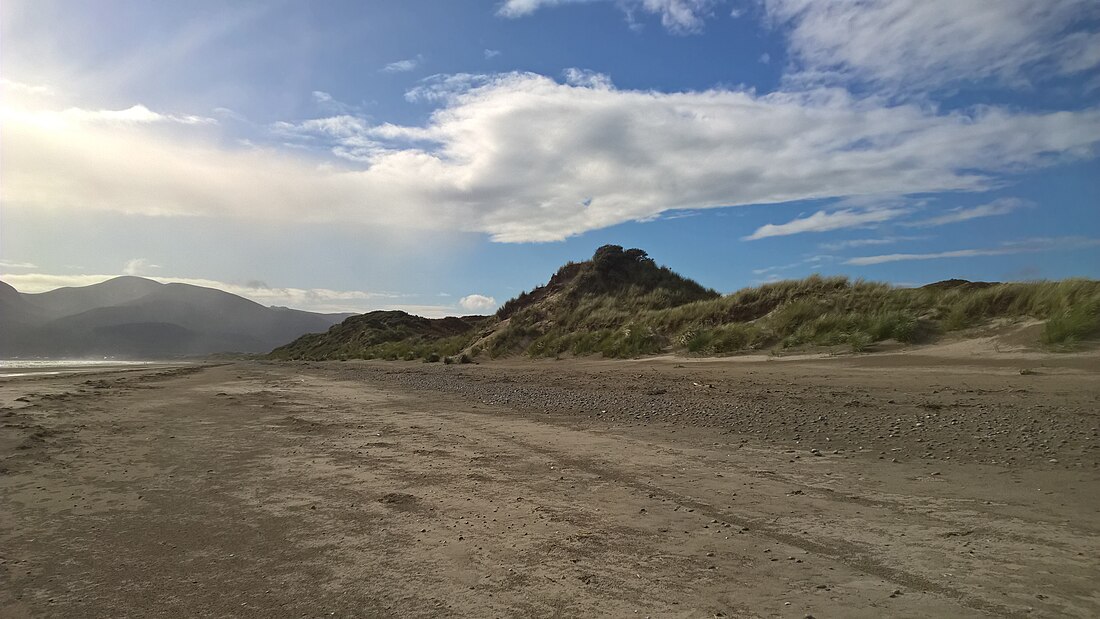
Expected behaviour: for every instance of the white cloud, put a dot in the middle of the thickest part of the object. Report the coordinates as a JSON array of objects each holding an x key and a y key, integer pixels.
[
  {"x": 1026, "y": 246},
  {"x": 402, "y": 66},
  {"x": 329, "y": 104},
  {"x": 678, "y": 16},
  {"x": 442, "y": 87},
  {"x": 38, "y": 90},
  {"x": 73, "y": 117},
  {"x": 921, "y": 44},
  {"x": 525, "y": 158},
  {"x": 1000, "y": 206},
  {"x": 810, "y": 263},
  {"x": 765, "y": 58},
  {"x": 8, "y": 264},
  {"x": 774, "y": 269},
  {"x": 585, "y": 78},
  {"x": 851, "y": 243},
  {"x": 138, "y": 266},
  {"x": 134, "y": 114},
  {"x": 491, "y": 53},
  {"x": 523, "y": 8},
  {"x": 823, "y": 221},
  {"x": 478, "y": 302}
]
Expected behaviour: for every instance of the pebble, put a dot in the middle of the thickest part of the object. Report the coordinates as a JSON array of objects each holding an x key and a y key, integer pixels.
[{"x": 1032, "y": 426}]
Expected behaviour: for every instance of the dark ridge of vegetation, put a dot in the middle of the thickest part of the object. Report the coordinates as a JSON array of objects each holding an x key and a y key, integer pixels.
[
  {"x": 385, "y": 335},
  {"x": 628, "y": 275},
  {"x": 621, "y": 304}
]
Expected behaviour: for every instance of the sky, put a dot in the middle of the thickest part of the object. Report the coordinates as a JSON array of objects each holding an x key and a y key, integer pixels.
[{"x": 441, "y": 157}]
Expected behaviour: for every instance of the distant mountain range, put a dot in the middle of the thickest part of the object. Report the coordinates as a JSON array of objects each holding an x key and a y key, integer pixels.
[{"x": 134, "y": 317}]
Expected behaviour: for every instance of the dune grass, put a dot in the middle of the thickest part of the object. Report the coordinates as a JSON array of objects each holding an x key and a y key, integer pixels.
[
  {"x": 816, "y": 311},
  {"x": 621, "y": 304}
]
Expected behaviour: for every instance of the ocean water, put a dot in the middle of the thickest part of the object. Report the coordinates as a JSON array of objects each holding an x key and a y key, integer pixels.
[{"x": 12, "y": 368}]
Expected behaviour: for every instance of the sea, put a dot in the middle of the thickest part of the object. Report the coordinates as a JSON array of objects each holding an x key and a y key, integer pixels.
[{"x": 14, "y": 368}]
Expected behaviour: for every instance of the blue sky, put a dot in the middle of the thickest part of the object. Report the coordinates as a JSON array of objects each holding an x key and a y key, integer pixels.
[{"x": 442, "y": 156}]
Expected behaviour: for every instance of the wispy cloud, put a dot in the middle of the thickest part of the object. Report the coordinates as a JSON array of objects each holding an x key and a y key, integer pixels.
[
  {"x": 1026, "y": 246},
  {"x": 1001, "y": 206},
  {"x": 73, "y": 116},
  {"x": 491, "y": 53},
  {"x": 402, "y": 66},
  {"x": 853, "y": 243},
  {"x": 678, "y": 16},
  {"x": 585, "y": 78},
  {"x": 810, "y": 262},
  {"x": 680, "y": 215},
  {"x": 38, "y": 90},
  {"x": 138, "y": 266},
  {"x": 776, "y": 269},
  {"x": 824, "y": 221},
  {"x": 922, "y": 44},
  {"x": 326, "y": 102},
  {"x": 8, "y": 264}
]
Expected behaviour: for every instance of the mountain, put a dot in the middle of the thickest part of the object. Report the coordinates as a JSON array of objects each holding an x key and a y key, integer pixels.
[
  {"x": 76, "y": 299},
  {"x": 621, "y": 304},
  {"x": 141, "y": 318},
  {"x": 15, "y": 312}
]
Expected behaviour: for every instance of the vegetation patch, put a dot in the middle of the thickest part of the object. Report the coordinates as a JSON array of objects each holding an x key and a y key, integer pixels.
[{"x": 620, "y": 304}]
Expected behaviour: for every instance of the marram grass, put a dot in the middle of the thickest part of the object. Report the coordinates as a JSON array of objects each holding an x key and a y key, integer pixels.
[{"x": 621, "y": 304}]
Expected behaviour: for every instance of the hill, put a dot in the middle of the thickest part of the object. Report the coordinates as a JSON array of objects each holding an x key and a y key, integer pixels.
[
  {"x": 16, "y": 313},
  {"x": 385, "y": 335},
  {"x": 76, "y": 299},
  {"x": 621, "y": 304},
  {"x": 142, "y": 318}
]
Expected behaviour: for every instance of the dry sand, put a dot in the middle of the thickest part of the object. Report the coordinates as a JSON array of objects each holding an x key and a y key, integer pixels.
[{"x": 873, "y": 486}]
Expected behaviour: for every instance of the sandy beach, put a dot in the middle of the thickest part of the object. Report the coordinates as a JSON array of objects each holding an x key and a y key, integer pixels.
[{"x": 864, "y": 486}]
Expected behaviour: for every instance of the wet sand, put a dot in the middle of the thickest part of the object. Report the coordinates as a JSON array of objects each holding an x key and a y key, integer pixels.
[{"x": 660, "y": 488}]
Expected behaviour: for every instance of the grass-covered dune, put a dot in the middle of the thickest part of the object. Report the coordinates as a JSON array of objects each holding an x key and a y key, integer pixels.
[
  {"x": 621, "y": 304},
  {"x": 385, "y": 335}
]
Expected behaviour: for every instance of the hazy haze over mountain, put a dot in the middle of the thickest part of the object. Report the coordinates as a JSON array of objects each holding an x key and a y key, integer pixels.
[{"x": 141, "y": 318}]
